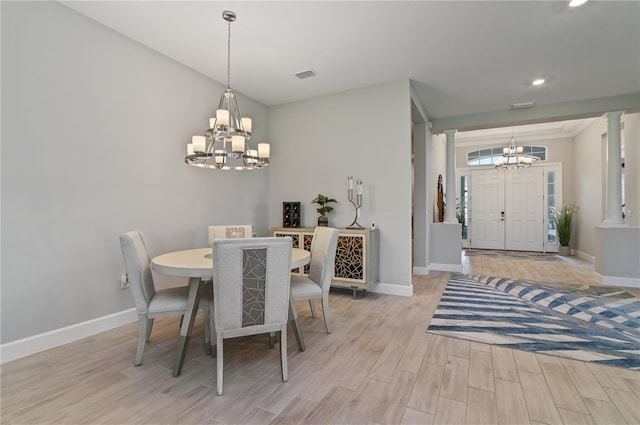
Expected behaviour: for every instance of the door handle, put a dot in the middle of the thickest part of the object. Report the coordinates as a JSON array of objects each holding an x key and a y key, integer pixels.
[{"x": 502, "y": 216}]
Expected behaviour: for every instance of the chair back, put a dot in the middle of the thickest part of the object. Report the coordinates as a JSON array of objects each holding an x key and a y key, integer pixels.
[
  {"x": 251, "y": 279},
  {"x": 323, "y": 256},
  {"x": 136, "y": 260},
  {"x": 230, "y": 231}
]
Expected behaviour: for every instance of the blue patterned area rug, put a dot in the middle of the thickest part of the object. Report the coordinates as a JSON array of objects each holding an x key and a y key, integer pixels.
[{"x": 597, "y": 324}]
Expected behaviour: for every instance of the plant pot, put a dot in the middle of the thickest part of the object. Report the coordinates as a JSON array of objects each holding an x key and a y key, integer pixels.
[
  {"x": 323, "y": 221},
  {"x": 564, "y": 250}
]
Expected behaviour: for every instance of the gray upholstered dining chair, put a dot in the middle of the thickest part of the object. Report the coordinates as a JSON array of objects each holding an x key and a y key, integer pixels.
[
  {"x": 151, "y": 303},
  {"x": 251, "y": 280},
  {"x": 321, "y": 270},
  {"x": 230, "y": 231}
]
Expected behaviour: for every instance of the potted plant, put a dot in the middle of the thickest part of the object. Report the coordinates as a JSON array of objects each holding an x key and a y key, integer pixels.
[
  {"x": 564, "y": 221},
  {"x": 324, "y": 209}
]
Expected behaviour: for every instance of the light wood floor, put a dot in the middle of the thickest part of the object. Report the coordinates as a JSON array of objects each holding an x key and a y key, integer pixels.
[{"x": 378, "y": 367}]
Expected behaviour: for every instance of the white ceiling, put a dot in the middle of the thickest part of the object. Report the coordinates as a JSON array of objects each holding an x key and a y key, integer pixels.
[
  {"x": 523, "y": 133},
  {"x": 463, "y": 57}
]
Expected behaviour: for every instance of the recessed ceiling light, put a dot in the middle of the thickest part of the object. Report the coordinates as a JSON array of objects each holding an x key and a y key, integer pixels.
[
  {"x": 576, "y": 3},
  {"x": 538, "y": 82}
]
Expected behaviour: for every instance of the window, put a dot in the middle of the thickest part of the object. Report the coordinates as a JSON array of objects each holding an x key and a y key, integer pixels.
[
  {"x": 551, "y": 208},
  {"x": 488, "y": 156},
  {"x": 622, "y": 178},
  {"x": 462, "y": 212}
]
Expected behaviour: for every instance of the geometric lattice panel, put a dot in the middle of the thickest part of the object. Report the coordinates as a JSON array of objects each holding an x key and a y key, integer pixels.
[
  {"x": 254, "y": 280},
  {"x": 350, "y": 257},
  {"x": 295, "y": 243},
  {"x": 306, "y": 245}
]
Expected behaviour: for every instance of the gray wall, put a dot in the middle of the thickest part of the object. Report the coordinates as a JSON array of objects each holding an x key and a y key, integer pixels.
[
  {"x": 364, "y": 133},
  {"x": 438, "y": 167},
  {"x": 588, "y": 184},
  {"x": 421, "y": 216},
  {"x": 94, "y": 133},
  {"x": 421, "y": 137}
]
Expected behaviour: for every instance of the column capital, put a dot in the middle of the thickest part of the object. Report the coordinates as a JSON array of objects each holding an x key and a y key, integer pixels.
[
  {"x": 450, "y": 132},
  {"x": 614, "y": 115}
]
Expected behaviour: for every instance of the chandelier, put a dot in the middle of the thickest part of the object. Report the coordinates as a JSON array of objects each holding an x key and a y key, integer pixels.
[
  {"x": 513, "y": 156},
  {"x": 225, "y": 145}
]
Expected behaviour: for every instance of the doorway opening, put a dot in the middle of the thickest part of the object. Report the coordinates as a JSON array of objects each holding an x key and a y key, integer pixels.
[{"x": 511, "y": 209}]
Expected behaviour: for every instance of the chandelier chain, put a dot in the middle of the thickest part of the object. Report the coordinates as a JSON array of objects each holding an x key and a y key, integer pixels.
[{"x": 229, "y": 55}]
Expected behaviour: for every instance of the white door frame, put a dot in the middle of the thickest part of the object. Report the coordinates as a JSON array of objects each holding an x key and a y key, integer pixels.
[{"x": 556, "y": 167}]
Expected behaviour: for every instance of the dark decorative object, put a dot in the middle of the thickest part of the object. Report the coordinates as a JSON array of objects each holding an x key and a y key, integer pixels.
[
  {"x": 324, "y": 209},
  {"x": 291, "y": 214},
  {"x": 440, "y": 200}
]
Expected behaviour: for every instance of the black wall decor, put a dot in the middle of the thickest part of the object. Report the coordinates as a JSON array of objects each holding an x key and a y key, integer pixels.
[{"x": 291, "y": 214}]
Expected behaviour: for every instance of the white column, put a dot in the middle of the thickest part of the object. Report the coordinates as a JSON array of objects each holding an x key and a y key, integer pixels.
[
  {"x": 613, "y": 216},
  {"x": 450, "y": 208}
]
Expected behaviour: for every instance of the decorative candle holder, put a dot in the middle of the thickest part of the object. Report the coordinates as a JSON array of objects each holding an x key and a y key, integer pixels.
[{"x": 357, "y": 203}]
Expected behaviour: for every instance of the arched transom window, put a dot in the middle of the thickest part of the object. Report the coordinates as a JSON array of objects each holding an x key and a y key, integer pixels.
[{"x": 488, "y": 156}]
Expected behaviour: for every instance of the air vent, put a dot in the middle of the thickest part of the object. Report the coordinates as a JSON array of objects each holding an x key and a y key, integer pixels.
[
  {"x": 523, "y": 105},
  {"x": 306, "y": 74}
]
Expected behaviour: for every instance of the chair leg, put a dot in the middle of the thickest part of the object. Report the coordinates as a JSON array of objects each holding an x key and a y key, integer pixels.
[
  {"x": 149, "y": 327},
  {"x": 212, "y": 332},
  {"x": 207, "y": 331},
  {"x": 283, "y": 353},
  {"x": 325, "y": 312},
  {"x": 142, "y": 338},
  {"x": 219, "y": 365},
  {"x": 312, "y": 304}
]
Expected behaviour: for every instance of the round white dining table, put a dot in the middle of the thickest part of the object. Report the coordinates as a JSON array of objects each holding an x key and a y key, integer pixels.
[{"x": 197, "y": 264}]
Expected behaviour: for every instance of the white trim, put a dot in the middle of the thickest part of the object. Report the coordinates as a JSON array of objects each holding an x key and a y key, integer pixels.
[
  {"x": 34, "y": 344},
  {"x": 580, "y": 254},
  {"x": 454, "y": 268},
  {"x": 628, "y": 282},
  {"x": 422, "y": 271},
  {"x": 391, "y": 289}
]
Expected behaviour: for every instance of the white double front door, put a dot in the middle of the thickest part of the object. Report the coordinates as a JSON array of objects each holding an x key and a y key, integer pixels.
[{"x": 507, "y": 209}]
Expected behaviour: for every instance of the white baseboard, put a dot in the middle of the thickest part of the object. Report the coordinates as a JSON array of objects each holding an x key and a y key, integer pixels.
[
  {"x": 627, "y": 282},
  {"x": 454, "y": 268},
  {"x": 34, "y": 344},
  {"x": 422, "y": 271},
  {"x": 589, "y": 258},
  {"x": 391, "y": 289}
]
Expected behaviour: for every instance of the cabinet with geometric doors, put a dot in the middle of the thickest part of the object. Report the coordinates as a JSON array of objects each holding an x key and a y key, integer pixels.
[{"x": 357, "y": 255}]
